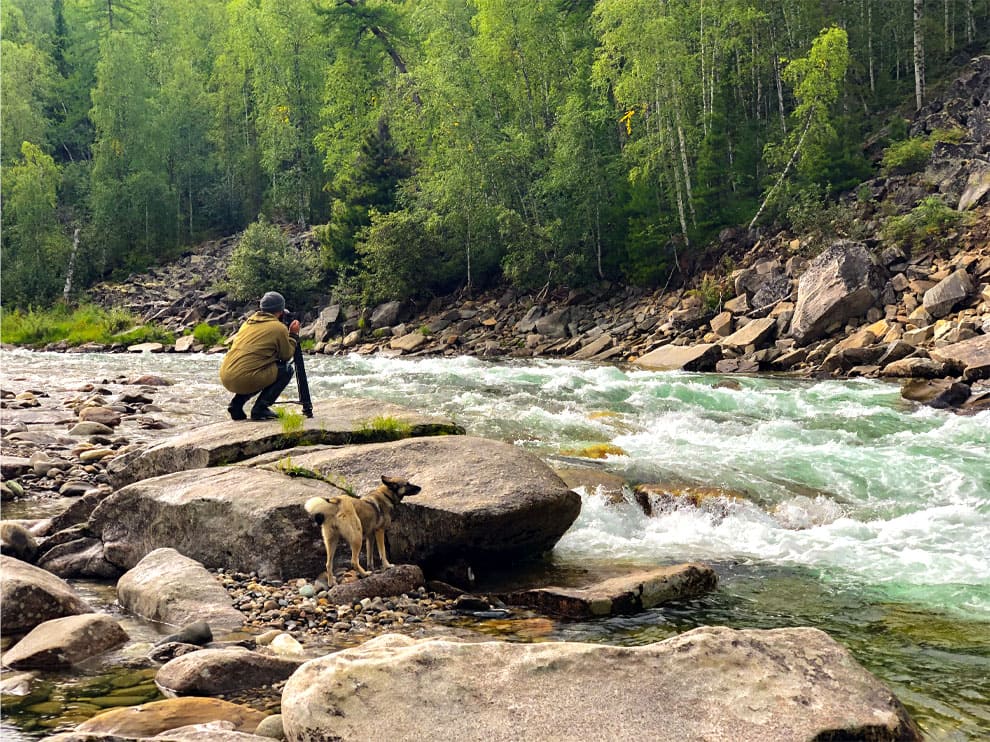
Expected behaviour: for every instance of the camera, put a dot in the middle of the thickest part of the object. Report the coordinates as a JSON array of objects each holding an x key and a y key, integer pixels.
[{"x": 287, "y": 317}]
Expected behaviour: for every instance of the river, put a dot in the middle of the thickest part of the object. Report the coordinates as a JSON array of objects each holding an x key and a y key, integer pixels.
[{"x": 862, "y": 514}]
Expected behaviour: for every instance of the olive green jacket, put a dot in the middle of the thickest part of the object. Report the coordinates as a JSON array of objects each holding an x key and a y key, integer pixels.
[{"x": 249, "y": 365}]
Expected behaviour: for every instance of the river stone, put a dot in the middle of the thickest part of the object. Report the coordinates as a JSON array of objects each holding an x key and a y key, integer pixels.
[
  {"x": 17, "y": 541},
  {"x": 626, "y": 594},
  {"x": 918, "y": 368},
  {"x": 211, "y": 672},
  {"x": 14, "y": 466},
  {"x": 334, "y": 422},
  {"x": 701, "y": 357},
  {"x": 31, "y": 596},
  {"x": 167, "y": 587},
  {"x": 972, "y": 356},
  {"x": 482, "y": 500},
  {"x": 711, "y": 683},
  {"x": 943, "y": 296},
  {"x": 90, "y": 427},
  {"x": 937, "y": 393},
  {"x": 837, "y": 286},
  {"x": 398, "y": 579},
  {"x": 81, "y": 557},
  {"x": 408, "y": 342},
  {"x": 102, "y": 415},
  {"x": 63, "y": 642},
  {"x": 156, "y": 717}
]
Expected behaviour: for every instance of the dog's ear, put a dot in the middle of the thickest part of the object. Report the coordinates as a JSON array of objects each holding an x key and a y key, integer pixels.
[{"x": 391, "y": 482}]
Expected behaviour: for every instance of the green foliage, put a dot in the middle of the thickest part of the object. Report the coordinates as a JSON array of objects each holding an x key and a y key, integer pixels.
[
  {"x": 926, "y": 223},
  {"x": 292, "y": 421},
  {"x": 713, "y": 290},
  {"x": 264, "y": 261},
  {"x": 207, "y": 335},
  {"x": 85, "y": 324},
  {"x": 144, "y": 334},
  {"x": 908, "y": 156}
]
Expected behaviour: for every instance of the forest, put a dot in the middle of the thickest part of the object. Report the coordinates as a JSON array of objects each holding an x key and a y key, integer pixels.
[{"x": 440, "y": 145}]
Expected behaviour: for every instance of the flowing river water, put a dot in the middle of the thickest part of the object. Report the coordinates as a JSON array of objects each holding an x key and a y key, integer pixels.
[{"x": 862, "y": 514}]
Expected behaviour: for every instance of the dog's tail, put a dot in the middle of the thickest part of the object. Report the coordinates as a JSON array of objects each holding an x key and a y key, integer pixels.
[{"x": 320, "y": 509}]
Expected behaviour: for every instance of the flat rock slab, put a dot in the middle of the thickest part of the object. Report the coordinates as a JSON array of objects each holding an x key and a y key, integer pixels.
[
  {"x": 711, "y": 683},
  {"x": 335, "y": 422},
  {"x": 621, "y": 595}
]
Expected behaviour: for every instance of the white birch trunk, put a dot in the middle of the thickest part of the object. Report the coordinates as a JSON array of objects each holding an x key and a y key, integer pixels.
[
  {"x": 919, "y": 56},
  {"x": 787, "y": 168},
  {"x": 67, "y": 290}
]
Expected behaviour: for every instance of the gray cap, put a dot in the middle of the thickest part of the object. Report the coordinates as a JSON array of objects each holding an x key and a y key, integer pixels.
[{"x": 272, "y": 302}]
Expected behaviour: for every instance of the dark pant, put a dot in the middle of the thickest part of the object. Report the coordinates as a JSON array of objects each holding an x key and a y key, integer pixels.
[{"x": 270, "y": 393}]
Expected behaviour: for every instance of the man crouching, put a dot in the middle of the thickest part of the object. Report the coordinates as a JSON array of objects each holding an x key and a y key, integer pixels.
[{"x": 258, "y": 359}]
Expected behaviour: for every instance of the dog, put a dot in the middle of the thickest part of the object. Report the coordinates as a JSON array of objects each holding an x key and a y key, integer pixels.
[{"x": 358, "y": 519}]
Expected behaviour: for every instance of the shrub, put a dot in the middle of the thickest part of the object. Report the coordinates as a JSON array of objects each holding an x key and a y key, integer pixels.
[
  {"x": 207, "y": 335},
  {"x": 908, "y": 156},
  {"x": 265, "y": 261},
  {"x": 926, "y": 222}
]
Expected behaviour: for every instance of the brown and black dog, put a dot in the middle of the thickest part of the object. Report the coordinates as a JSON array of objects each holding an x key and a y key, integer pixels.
[{"x": 357, "y": 519}]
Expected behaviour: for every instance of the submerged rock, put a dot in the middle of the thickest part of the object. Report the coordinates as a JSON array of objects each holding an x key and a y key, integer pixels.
[
  {"x": 156, "y": 717},
  {"x": 211, "y": 672}
]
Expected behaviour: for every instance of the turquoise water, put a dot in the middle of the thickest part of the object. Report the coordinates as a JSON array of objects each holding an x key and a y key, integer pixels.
[{"x": 860, "y": 513}]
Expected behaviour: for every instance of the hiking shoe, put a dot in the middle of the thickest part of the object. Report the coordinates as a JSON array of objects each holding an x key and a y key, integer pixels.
[
  {"x": 236, "y": 413},
  {"x": 265, "y": 413}
]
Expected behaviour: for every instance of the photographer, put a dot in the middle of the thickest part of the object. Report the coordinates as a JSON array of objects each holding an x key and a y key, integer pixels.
[{"x": 258, "y": 359}]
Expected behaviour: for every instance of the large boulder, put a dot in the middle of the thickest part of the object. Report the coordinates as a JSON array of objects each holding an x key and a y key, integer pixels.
[
  {"x": 838, "y": 285},
  {"x": 481, "y": 500},
  {"x": 335, "y": 422},
  {"x": 239, "y": 518},
  {"x": 167, "y": 587},
  {"x": 66, "y": 641},
  {"x": 940, "y": 299},
  {"x": 31, "y": 596},
  {"x": 710, "y": 683}
]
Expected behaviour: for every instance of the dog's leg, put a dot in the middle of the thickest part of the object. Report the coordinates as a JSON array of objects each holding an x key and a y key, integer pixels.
[
  {"x": 356, "y": 545},
  {"x": 380, "y": 540},
  {"x": 330, "y": 543},
  {"x": 369, "y": 555}
]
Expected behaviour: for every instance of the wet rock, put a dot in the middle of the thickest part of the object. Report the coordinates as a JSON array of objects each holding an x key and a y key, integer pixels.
[
  {"x": 168, "y": 587},
  {"x": 62, "y": 642},
  {"x": 621, "y": 595},
  {"x": 90, "y": 427},
  {"x": 102, "y": 415},
  {"x": 701, "y": 357},
  {"x": 198, "y": 632},
  {"x": 709, "y": 683},
  {"x": 210, "y": 672},
  {"x": 939, "y": 393},
  {"x": 156, "y": 717},
  {"x": 31, "y": 596}
]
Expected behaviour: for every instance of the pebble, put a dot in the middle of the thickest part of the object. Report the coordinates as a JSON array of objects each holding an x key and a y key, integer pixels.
[{"x": 298, "y": 607}]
